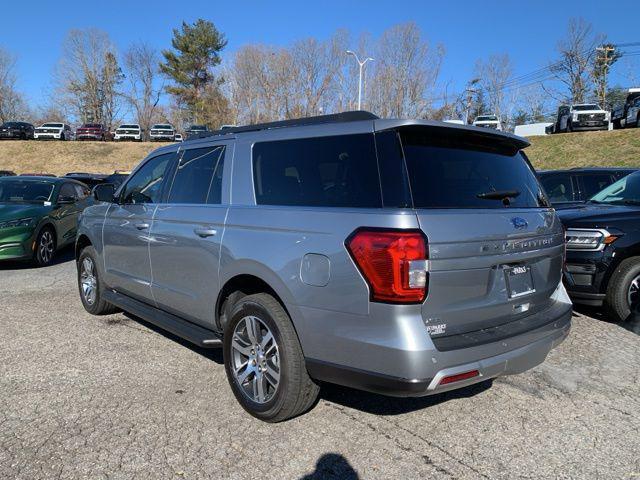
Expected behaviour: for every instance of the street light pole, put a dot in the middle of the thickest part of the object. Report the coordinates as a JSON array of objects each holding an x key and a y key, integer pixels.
[{"x": 361, "y": 64}]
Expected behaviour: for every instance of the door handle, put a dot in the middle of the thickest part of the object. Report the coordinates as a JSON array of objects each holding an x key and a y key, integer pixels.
[
  {"x": 142, "y": 226},
  {"x": 205, "y": 232}
]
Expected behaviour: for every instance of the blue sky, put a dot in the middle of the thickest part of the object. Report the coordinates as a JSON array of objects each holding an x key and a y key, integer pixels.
[{"x": 528, "y": 31}]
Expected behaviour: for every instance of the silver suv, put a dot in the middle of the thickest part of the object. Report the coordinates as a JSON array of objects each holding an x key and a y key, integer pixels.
[{"x": 404, "y": 257}]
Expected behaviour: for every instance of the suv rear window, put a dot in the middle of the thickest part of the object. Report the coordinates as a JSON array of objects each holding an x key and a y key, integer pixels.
[
  {"x": 335, "y": 171},
  {"x": 450, "y": 171}
]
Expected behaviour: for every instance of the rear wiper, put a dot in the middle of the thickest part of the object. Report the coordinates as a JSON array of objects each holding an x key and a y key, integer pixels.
[{"x": 498, "y": 194}]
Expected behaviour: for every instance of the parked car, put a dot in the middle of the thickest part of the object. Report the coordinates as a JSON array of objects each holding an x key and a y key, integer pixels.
[
  {"x": 375, "y": 268},
  {"x": 162, "y": 132},
  {"x": 53, "y": 131},
  {"x": 454, "y": 121},
  {"x": 39, "y": 216},
  {"x": 196, "y": 131},
  {"x": 587, "y": 116},
  {"x": 92, "y": 131},
  {"x": 567, "y": 188},
  {"x": 7, "y": 173},
  {"x": 89, "y": 179},
  {"x": 178, "y": 137},
  {"x": 16, "y": 131},
  {"x": 37, "y": 174},
  {"x": 627, "y": 114},
  {"x": 488, "y": 121},
  {"x": 128, "y": 131},
  {"x": 603, "y": 247}
]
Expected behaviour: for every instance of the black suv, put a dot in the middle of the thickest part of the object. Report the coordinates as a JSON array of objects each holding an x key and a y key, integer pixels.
[
  {"x": 603, "y": 249},
  {"x": 197, "y": 131},
  {"x": 16, "y": 130},
  {"x": 568, "y": 188}
]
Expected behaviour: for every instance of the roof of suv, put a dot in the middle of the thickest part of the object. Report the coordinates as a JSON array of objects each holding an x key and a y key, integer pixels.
[
  {"x": 361, "y": 116},
  {"x": 589, "y": 170}
]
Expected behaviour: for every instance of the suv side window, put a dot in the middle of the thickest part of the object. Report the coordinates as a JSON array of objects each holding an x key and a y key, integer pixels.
[
  {"x": 67, "y": 190},
  {"x": 592, "y": 184},
  {"x": 198, "y": 177},
  {"x": 82, "y": 192},
  {"x": 337, "y": 171},
  {"x": 559, "y": 188},
  {"x": 145, "y": 186}
]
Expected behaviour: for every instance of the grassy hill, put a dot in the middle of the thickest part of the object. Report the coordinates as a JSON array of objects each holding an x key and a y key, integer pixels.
[{"x": 619, "y": 148}]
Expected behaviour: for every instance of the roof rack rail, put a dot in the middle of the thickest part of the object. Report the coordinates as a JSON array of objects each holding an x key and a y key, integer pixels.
[{"x": 352, "y": 116}]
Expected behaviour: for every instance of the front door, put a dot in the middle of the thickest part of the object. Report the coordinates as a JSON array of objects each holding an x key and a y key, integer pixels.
[
  {"x": 187, "y": 235},
  {"x": 127, "y": 226}
]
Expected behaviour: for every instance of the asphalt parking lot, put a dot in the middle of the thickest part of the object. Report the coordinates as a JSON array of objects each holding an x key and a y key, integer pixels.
[{"x": 112, "y": 397}]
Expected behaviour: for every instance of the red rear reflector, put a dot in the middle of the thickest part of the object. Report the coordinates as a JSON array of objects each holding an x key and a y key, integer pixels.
[
  {"x": 393, "y": 262},
  {"x": 459, "y": 377}
]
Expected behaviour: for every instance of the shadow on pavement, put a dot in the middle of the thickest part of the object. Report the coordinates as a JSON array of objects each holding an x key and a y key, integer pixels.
[
  {"x": 632, "y": 323},
  {"x": 332, "y": 465},
  {"x": 62, "y": 256},
  {"x": 213, "y": 354},
  {"x": 382, "y": 405}
]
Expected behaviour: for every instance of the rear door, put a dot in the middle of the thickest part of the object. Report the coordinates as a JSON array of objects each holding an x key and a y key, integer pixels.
[
  {"x": 187, "y": 234},
  {"x": 127, "y": 226},
  {"x": 495, "y": 246}
]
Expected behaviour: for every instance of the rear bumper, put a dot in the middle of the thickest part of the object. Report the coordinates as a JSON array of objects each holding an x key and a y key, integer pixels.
[
  {"x": 397, "y": 357},
  {"x": 42, "y": 136},
  {"x": 577, "y": 126}
]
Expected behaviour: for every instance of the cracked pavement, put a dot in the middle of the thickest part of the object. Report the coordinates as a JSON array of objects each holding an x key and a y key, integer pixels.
[{"x": 115, "y": 398}]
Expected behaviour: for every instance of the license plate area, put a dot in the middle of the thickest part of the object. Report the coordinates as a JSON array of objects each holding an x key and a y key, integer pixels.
[{"x": 519, "y": 280}]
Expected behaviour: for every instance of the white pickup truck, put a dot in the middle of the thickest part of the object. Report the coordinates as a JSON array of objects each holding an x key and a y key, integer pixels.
[
  {"x": 488, "y": 121},
  {"x": 128, "y": 131},
  {"x": 587, "y": 116}
]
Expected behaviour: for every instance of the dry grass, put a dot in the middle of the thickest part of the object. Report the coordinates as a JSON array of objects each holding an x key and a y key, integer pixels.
[
  {"x": 586, "y": 149},
  {"x": 619, "y": 148},
  {"x": 59, "y": 158}
]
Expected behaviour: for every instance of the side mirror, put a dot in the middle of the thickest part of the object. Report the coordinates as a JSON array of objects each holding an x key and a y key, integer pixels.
[
  {"x": 105, "y": 192},
  {"x": 63, "y": 200}
]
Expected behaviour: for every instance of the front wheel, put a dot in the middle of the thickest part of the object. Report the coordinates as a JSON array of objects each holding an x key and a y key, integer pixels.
[
  {"x": 45, "y": 247},
  {"x": 264, "y": 362},
  {"x": 623, "y": 292}
]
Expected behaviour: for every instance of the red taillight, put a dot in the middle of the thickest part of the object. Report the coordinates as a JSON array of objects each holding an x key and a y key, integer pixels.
[
  {"x": 394, "y": 263},
  {"x": 459, "y": 377}
]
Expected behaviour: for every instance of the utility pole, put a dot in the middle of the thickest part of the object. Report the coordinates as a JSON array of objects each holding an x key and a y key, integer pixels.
[
  {"x": 605, "y": 70},
  {"x": 361, "y": 64}
]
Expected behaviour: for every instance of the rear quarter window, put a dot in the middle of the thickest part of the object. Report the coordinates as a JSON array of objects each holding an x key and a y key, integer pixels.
[{"x": 334, "y": 171}]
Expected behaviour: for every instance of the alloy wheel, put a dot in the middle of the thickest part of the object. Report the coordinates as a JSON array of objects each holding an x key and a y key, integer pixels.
[
  {"x": 46, "y": 246},
  {"x": 88, "y": 281},
  {"x": 633, "y": 294},
  {"x": 255, "y": 359}
]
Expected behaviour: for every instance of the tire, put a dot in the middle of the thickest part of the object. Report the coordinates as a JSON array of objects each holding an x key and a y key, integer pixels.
[
  {"x": 638, "y": 120},
  {"x": 569, "y": 127},
  {"x": 62, "y": 139},
  {"x": 45, "y": 247},
  {"x": 295, "y": 392},
  {"x": 90, "y": 285},
  {"x": 622, "y": 299}
]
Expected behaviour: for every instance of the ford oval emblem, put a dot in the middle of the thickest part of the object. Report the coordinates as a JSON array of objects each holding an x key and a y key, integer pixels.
[{"x": 519, "y": 223}]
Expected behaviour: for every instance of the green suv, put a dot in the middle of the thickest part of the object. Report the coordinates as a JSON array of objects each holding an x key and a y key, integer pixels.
[{"x": 38, "y": 216}]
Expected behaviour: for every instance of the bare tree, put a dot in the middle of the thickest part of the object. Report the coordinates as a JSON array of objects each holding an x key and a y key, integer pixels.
[
  {"x": 494, "y": 75},
  {"x": 88, "y": 76},
  {"x": 12, "y": 104},
  {"x": 406, "y": 71},
  {"x": 577, "y": 52},
  {"x": 143, "y": 92}
]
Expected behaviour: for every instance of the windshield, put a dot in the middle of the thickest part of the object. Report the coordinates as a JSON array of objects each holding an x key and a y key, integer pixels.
[
  {"x": 52, "y": 125},
  {"x": 162, "y": 127},
  {"x": 198, "y": 127},
  {"x": 450, "y": 172},
  {"x": 129, "y": 126},
  {"x": 624, "y": 191},
  {"x": 586, "y": 107},
  {"x": 11, "y": 124},
  {"x": 22, "y": 191},
  {"x": 91, "y": 125},
  {"x": 486, "y": 118}
]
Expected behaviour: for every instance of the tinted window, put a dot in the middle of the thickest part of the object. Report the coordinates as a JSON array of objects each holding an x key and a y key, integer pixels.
[
  {"x": 82, "y": 192},
  {"x": 559, "y": 188},
  {"x": 67, "y": 190},
  {"x": 145, "y": 186},
  {"x": 198, "y": 176},
  {"x": 338, "y": 171},
  {"x": 455, "y": 171},
  {"x": 592, "y": 184}
]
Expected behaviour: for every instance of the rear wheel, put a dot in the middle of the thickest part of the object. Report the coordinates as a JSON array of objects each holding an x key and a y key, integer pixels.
[
  {"x": 638, "y": 120},
  {"x": 45, "y": 247},
  {"x": 90, "y": 284},
  {"x": 264, "y": 361},
  {"x": 623, "y": 292}
]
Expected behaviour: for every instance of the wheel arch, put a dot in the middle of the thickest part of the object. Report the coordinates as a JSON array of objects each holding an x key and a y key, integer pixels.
[{"x": 82, "y": 242}]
